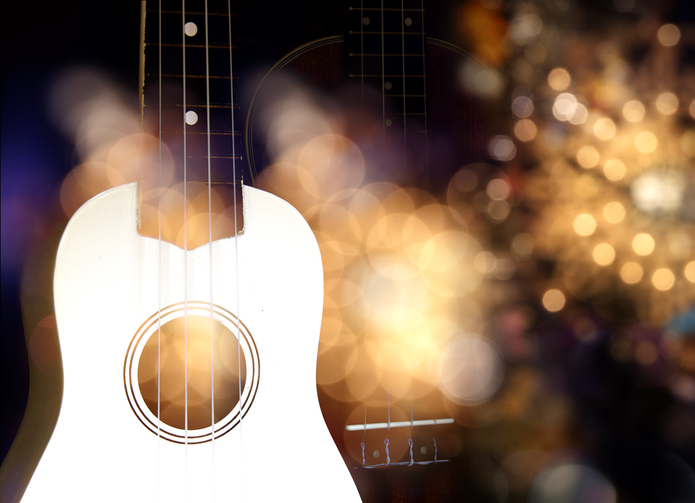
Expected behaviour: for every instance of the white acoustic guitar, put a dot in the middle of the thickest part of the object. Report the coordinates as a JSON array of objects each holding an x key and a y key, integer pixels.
[{"x": 189, "y": 371}]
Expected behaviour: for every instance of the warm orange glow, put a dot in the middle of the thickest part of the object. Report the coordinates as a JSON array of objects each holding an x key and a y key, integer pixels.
[
  {"x": 669, "y": 35},
  {"x": 169, "y": 352},
  {"x": 631, "y": 273},
  {"x": 646, "y": 142},
  {"x": 588, "y": 157},
  {"x": 559, "y": 79},
  {"x": 689, "y": 271},
  {"x": 663, "y": 279},
  {"x": 614, "y": 169},
  {"x": 603, "y": 254},
  {"x": 667, "y": 103},
  {"x": 525, "y": 130},
  {"x": 643, "y": 244},
  {"x": 633, "y": 111},
  {"x": 584, "y": 224},
  {"x": 553, "y": 300},
  {"x": 614, "y": 212},
  {"x": 604, "y": 128}
]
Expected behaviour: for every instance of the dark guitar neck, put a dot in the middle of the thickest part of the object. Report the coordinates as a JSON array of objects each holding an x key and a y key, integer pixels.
[
  {"x": 385, "y": 56},
  {"x": 188, "y": 103}
]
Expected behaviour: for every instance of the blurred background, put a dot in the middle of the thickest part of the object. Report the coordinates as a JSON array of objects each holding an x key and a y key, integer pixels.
[{"x": 534, "y": 284}]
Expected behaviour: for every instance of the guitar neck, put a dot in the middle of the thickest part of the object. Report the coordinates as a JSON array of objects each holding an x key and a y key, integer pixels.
[
  {"x": 386, "y": 49},
  {"x": 180, "y": 84},
  {"x": 385, "y": 56},
  {"x": 188, "y": 102}
]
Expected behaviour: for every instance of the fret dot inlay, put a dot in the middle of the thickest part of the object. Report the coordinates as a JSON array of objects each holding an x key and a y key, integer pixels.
[
  {"x": 365, "y": 20},
  {"x": 191, "y": 117},
  {"x": 190, "y": 28}
]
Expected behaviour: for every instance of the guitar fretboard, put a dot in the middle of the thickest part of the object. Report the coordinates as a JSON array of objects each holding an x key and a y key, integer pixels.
[
  {"x": 179, "y": 51},
  {"x": 385, "y": 56},
  {"x": 386, "y": 49},
  {"x": 188, "y": 99}
]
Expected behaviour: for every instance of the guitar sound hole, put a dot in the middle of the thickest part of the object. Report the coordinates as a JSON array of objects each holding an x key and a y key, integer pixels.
[{"x": 174, "y": 351}]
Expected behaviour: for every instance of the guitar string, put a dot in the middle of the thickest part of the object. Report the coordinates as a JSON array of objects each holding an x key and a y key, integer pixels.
[
  {"x": 388, "y": 424},
  {"x": 236, "y": 246},
  {"x": 410, "y": 440},
  {"x": 383, "y": 80},
  {"x": 209, "y": 187},
  {"x": 362, "y": 58},
  {"x": 383, "y": 104},
  {"x": 364, "y": 433},
  {"x": 185, "y": 255},
  {"x": 424, "y": 90},
  {"x": 405, "y": 114},
  {"x": 159, "y": 241}
]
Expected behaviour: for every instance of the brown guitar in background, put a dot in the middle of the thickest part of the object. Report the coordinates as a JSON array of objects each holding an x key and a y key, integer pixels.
[{"x": 418, "y": 110}]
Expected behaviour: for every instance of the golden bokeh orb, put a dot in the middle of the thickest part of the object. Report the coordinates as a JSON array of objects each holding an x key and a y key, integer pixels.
[
  {"x": 663, "y": 279},
  {"x": 614, "y": 212},
  {"x": 631, "y": 273},
  {"x": 614, "y": 169},
  {"x": 584, "y": 224},
  {"x": 554, "y": 300},
  {"x": 559, "y": 79},
  {"x": 646, "y": 142},
  {"x": 634, "y": 111},
  {"x": 603, "y": 254},
  {"x": 668, "y": 35},
  {"x": 643, "y": 244},
  {"x": 588, "y": 157}
]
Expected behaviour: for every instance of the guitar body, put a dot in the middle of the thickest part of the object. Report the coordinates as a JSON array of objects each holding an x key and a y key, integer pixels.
[{"x": 111, "y": 284}]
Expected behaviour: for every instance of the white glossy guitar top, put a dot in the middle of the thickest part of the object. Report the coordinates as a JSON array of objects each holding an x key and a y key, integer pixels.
[{"x": 107, "y": 286}]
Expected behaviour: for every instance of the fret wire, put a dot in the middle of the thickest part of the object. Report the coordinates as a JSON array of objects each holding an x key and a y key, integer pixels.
[
  {"x": 193, "y": 13},
  {"x": 387, "y": 32},
  {"x": 380, "y": 55},
  {"x": 213, "y": 133},
  {"x": 189, "y": 105},
  {"x": 195, "y": 46},
  {"x": 174, "y": 76},
  {"x": 389, "y": 9},
  {"x": 212, "y": 182},
  {"x": 388, "y": 75}
]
